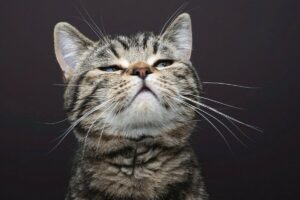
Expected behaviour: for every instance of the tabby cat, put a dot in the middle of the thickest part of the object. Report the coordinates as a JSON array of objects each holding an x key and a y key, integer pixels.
[{"x": 126, "y": 98}]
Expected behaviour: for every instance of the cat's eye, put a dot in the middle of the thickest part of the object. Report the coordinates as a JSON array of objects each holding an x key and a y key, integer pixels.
[
  {"x": 111, "y": 68},
  {"x": 163, "y": 63}
]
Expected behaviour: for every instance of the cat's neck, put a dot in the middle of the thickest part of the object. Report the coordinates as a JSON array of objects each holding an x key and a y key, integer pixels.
[{"x": 105, "y": 144}]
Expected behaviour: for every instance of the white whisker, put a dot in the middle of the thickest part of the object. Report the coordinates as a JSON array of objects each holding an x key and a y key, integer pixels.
[
  {"x": 57, "y": 122},
  {"x": 172, "y": 17},
  {"x": 92, "y": 125},
  {"x": 71, "y": 85},
  {"x": 222, "y": 114},
  {"x": 104, "y": 125},
  {"x": 215, "y": 101},
  {"x": 76, "y": 123},
  {"x": 229, "y": 84},
  {"x": 226, "y": 127},
  {"x": 242, "y": 132},
  {"x": 95, "y": 25},
  {"x": 87, "y": 23},
  {"x": 212, "y": 124}
]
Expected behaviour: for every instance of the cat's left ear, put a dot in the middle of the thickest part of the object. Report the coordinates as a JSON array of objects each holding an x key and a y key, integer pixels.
[
  {"x": 70, "y": 45},
  {"x": 179, "y": 34}
]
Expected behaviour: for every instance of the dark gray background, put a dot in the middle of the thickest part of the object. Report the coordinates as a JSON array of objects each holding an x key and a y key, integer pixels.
[{"x": 250, "y": 42}]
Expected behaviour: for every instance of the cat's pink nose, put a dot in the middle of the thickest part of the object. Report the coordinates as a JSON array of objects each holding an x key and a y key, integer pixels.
[
  {"x": 141, "y": 69},
  {"x": 141, "y": 72}
]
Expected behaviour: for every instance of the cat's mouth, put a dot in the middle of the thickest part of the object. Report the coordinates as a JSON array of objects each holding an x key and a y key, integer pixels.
[{"x": 143, "y": 90}]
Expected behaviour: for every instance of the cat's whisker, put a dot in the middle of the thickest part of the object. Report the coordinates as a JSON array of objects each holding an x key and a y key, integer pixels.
[
  {"x": 57, "y": 122},
  {"x": 232, "y": 133},
  {"x": 87, "y": 134},
  {"x": 71, "y": 85},
  {"x": 104, "y": 125},
  {"x": 92, "y": 125},
  {"x": 222, "y": 114},
  {"x": 173, "y": 16},
  {"x": 230, "y": 84},
  {"x": 215, "y": 101},
  {"x": 221, "y": 103},
  {"x": 73, "y": 125},
  {"x": 102, "y": 25},
  {"x": 92, "y": 26},
  {"x": 88, "y": 23},
  {"x": 95, "y": 25},
  {"x": 100, "y": 137},
  {"x": 63, "y": 136},
  {"x": 225, "y": 126},
  {"x": 210, "y": 122},
  {"x": 172, "y": 106},
  {"x": 242, "y": 132},
  {"x": 170, "y": 95}
]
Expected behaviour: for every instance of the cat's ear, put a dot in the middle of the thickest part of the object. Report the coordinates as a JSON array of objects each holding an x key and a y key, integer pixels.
[
  {"x": 69, "y": 45},
  {"x": 179, "y": 34}
]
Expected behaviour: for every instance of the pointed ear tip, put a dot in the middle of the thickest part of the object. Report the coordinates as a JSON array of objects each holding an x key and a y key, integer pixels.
[
  {"x": 62, "y": 26},
  {"x": 185, "y": 15}
]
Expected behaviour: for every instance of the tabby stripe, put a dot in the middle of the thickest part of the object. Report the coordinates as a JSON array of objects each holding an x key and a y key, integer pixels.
[
  {"x": 134, "y": 161},
  {"x": 123, "y": 43},
  {"x": 155, "y": 47},
  {"x": 177, "y": 191},
  {"x": 180, "y": 76},
  {"x": 113, "y": 50},
  {"x": 79, "y": 129},
  {"x": 121, "y": 151},
  {"x": 145, "y": 40},
  {"x": 106, "y": 196},
  {"x": 102, "y": 53},
  {"x": 169, "y": 155},
  {"x": 75, "y": 95},
  {"x": 87, "y": 99},
  {"x": 140, "y": 138},
  {"x": 195, "y": 77}
]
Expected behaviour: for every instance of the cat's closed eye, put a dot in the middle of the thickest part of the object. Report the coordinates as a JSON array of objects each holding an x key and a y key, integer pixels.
[
  {"x": 160, "y": 63},
  {"x": 111, "y": 68},
  {"x": 163, "y": 63}
]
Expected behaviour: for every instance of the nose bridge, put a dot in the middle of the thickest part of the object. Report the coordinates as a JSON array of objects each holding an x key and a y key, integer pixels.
[{"x": 139, "y": 65}]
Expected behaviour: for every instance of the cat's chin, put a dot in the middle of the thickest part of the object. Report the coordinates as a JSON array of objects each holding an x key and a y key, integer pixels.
[
  {"x": 144, "y": 100},
  {"x": 145, "y": 108},
  {"x": 144, "y": 116}
]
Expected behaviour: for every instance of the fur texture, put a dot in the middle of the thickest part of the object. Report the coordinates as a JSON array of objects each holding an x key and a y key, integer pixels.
[{"x": 124, "y": 100}]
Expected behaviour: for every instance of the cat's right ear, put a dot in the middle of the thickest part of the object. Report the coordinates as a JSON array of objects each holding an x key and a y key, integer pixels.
[
  {"x": 179, "y": 34},
  {"x": 69, "y": 46}
]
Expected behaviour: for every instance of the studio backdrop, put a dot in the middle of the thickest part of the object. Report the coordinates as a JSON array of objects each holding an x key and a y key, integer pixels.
[{"x": 245, "y": 52}]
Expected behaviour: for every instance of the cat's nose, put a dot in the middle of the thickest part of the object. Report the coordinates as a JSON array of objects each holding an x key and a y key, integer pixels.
[
  {"x": 141, "y": 72},
  {"x": 141, "y": 69}
]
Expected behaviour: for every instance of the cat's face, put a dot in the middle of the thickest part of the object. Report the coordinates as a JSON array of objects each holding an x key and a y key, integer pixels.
[{"x": 129, "y": 86}]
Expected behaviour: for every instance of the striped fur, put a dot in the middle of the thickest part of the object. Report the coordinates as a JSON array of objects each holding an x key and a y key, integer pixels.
[{"x": 135, "y": 145}]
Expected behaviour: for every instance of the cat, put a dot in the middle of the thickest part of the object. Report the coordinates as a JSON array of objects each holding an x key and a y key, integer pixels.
[{"x": 131, "y": 103}]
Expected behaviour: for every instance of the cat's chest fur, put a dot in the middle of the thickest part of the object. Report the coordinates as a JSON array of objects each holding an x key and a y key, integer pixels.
[{"x": 139, "y": 170}]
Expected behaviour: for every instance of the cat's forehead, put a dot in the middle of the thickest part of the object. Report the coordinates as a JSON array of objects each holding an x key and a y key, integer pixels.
[
  {"x": 130, "y": 49},
  {"x": 138, "y": 47}
]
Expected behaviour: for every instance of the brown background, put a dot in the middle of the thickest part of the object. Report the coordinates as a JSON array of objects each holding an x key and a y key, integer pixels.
[{"x": 250, "y": 42}]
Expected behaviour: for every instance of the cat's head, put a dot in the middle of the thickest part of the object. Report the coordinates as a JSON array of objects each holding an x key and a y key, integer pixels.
[{"x": 131, "y": 86}]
